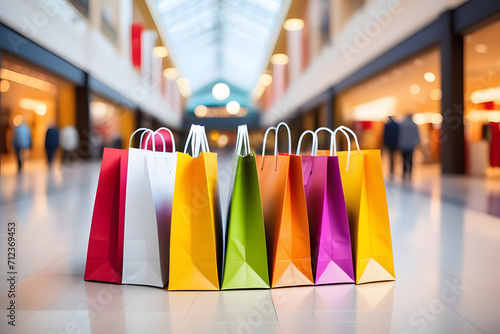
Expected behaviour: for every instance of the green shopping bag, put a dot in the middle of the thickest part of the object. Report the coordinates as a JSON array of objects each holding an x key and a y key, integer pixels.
[{"x": 245, "y": 265}]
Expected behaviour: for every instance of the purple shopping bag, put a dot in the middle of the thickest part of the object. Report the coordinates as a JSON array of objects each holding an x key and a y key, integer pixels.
[{"x": 328, "y": 224}]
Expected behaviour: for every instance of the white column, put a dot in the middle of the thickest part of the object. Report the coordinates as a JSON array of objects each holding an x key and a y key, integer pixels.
[
  {"x": 279, "y": 81},
  {"x": 148, "y": 43},
  {"x": 125, "y": 22},
  {"x": 314, "y": 21},
  {"x": 156, "y": 72},
  {"x": 294, "y": 52}
]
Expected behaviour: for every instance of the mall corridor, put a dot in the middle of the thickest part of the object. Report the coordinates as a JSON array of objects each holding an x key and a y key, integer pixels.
[
  {"x": 249, "y": 166},
  {"x": 446, "y": 254}
]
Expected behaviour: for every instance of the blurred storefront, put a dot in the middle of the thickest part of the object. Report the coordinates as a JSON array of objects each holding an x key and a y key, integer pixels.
[
  {"x": 409, "y": 89},
  {"x": 36, "y": 97},
  {"x": 111, "y": 124},
  {"x": 482, "y": 99}
]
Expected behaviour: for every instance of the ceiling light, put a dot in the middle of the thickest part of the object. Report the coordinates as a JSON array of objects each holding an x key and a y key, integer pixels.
[
  {"x": 233, "y": 107},
  {"x": 17, "y": 120},
  {"x": 99, "y": 109},
  {"x": 375, "y": 110},
  {"x": 481, "y": 48},
  {"x": 436, "y": 118},
  {"x": 429, "y": 77},
  {"x": 436, "y": 94},
  {"x": 293, "y": 24},
  {"x": 214, "y": 135},
  {"x": 415, "y": 89},
  {"x": 41, "y": 109},
  {"x": 221, "y": 91},
  {"x": 418, "y": 118},
  {"x": 279, "y": 59},
  {"x": 222, "y": 141},
  {"x": 265, "y": 79},
  {"x": 27, "y": 80},
  {"x": 4, "y": 86},
  {"x": 184, "y": 89},
  {"x": 486, "y": 95},
  {"x": 160, "y": 51},
  {"x": 38, "y": 107},
  {"x": 201, "y": 111},
  {"x": 171, "y": 73}
]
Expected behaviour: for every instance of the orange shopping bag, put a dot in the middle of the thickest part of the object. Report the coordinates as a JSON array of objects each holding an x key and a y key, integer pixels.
[{"x": 285, "y": 215}]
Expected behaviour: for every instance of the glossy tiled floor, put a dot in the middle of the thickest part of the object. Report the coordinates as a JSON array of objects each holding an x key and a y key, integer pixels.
[{"x": 446, "y": 243}]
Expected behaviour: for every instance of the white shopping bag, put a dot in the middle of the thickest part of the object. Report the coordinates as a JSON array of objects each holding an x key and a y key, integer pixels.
[{"x": 148, "y": 210}]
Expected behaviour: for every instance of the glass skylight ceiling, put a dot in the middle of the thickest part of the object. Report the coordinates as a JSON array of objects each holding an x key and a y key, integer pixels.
[{"x": 219, "y": 40}]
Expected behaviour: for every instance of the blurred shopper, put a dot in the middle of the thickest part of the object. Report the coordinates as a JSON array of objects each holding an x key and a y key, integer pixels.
[
  {"x": 51, "y": 143},
  {"x": 391, "y": 134},
  {"x": 116, "y": 141},
  {"x": 21, "y": 141},
  {"x": 408, "y": 138},
  {"x": 68, "y": 140}
]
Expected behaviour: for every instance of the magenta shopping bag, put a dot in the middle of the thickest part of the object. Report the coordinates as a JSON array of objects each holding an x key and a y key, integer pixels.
[{"x": 328, "y": 223}]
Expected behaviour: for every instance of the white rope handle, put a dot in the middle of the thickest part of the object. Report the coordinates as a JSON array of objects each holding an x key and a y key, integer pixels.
[
  {"x": 314, "y": 142},
  {"x": 203, "y": 139},
  {"x": 171, "y": 136},
  {"x": 153, "y": 134},
  {"x": 332, "y": 140},
  {"x": 242, "y": 141},
  {"x": 343, "y": 129},
  {"x": 189, "y": 138},
  {"x": 142, "y": 135},
  {"x": 276, "y": 138},
  {"x": 265, "y": 139},
  {"x": 198, "y": 139},
  {"x": 247, "y": 138}
]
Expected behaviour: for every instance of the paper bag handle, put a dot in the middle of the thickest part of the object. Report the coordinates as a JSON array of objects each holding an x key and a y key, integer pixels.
[
  {"x": 314, "y": 142},
  {"x": 171, "y": 136},
  {"x": 198, "y": 139},
  {"x": 332, "y": 140},
  {"x": 242, "y": 141},
  {"x": 276, "y": 138},
  {"x": 145, "y": 130},
  {"x": 153, "y": 134},
  {"x": 343, "y": 129},
  {"x": 265, "y": 139}
]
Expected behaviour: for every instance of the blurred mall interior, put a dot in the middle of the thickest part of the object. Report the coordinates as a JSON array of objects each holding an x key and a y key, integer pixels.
[{"x": 81, "y": 75}]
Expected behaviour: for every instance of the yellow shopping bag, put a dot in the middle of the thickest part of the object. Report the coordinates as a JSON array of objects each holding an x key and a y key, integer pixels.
[
  {"x": 366, "y": 202},
  {"x": 195, "y": 237}
]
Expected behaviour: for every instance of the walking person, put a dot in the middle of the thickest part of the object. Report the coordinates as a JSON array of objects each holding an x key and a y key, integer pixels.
[
  {"x": 51, "y": 143},
  {"x": 391, "y": 133},
  {"x": 408, "y": 138},
  {"x": 21, "y": 142}
]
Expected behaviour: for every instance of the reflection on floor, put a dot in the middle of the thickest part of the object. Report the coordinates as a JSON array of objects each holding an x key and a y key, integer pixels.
[{"x": 447, "y": 256}]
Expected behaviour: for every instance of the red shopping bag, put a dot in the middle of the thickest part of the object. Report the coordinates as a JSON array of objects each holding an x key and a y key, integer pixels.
[{"x": 105, "y": 250}]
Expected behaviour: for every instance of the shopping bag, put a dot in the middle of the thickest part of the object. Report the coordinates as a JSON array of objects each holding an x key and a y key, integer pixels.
[
  {"x": 105, "y": 249},
  {"x": 328, "y": 223},
  {"x": 245, "y": 263},
  {"x": 196, "y": 236},
  {"x": 366, "y": 202},
  {"x": 285, "y": 216},
  {"x": 148, "y": 207}
]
